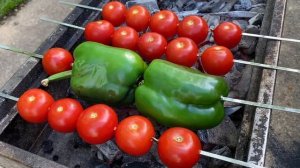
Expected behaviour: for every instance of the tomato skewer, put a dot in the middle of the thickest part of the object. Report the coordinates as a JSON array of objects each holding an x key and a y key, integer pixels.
[
  {"x": 54, "y": 61},
  {"x": 236, "y": 61},
  {"x": 256, "y": 104},
  {"x": 92, "y": 114},
  {"x": 95, "y": 125},
  {"x": 244, "y": 34}
]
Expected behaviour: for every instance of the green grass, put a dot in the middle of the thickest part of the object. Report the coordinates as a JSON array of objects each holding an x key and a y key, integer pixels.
[{"x": 7, "y": 5}]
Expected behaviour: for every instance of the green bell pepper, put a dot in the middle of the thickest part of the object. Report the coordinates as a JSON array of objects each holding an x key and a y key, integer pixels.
[
  {"x": 178, "y": 96},
  {"x": 104, "y": 74}
]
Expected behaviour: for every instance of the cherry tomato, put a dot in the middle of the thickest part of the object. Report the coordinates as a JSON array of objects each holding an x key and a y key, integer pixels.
[
  {"x": 97, "y": 124},
  {"x": 134, "y": 135},
  {"x": 138, "y": 17},
  {"x": 152, "y": 45},
  {"x": 182, "y": 51},
  {"x": 57, "y": 60},
  {"x": 217, "y": 60},
  {"x": 193, "y": 27},
  {"x": 114, "y": 12},
  {"x": 165, "y": 23},
  {"x": 99, "y": 31},
  {"x": 179, "y": 147},
  {"x": 34, "y": 104},
  {"x": 63, "y": 115},
  {"x": 227, "y": 34},
  {"x": 125, "y": 37}
]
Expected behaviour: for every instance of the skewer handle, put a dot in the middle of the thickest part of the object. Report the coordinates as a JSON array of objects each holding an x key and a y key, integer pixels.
[
  {"x": 267, "y": 66},
  {"x": 271, "y": 37},
  {"x": 79, "y": 5},
  {"x": 61, "y": 23},
  {"x": 262, "y": 105},
  {"x": 20, "y": 51},
  {"x": 8, "y": 97},
  {"x": 230, "y": 160}
]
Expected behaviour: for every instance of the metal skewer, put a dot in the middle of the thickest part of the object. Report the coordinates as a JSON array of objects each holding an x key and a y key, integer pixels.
[
  {"x": 79, "y": 5},
  {"x": 228, "y": 159},
  {"x": 8, "y": 97},
  {"x": 244, "y": 34},
  {"x": 262, "y": 105},
  {"x": 236, "y": 61},
  {"x": 20, "y": 51},
  {"x": 271, "y": 37},
  {"x": 267, "y": 66},
  {"x": 204, "y": 153}
]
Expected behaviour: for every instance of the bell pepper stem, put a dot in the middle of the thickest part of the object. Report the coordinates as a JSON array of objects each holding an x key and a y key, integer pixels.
[{"x": 55, "y": 77}]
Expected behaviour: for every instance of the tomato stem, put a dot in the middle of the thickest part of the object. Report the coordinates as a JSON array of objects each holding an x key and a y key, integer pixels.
[{"x": 55, "y": 77}]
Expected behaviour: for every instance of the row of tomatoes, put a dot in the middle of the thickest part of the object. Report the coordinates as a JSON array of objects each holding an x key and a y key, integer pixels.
[
  {"x": 215, "y": 60},
  {"x": 177, "y": 147},
  {"x": 166, "y": 23}
]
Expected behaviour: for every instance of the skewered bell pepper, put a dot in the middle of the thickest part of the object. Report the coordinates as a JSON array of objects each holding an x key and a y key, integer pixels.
[
  {"x": 179, "y": 96},
  {"x": 104, "y": 74}
]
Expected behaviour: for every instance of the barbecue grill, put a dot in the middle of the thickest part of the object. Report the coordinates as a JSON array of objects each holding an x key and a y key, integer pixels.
[{"x": 39, "y": 146}]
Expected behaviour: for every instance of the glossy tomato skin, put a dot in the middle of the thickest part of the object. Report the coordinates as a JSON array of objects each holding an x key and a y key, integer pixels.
[
  {"x": 179, "y": 148},
  {"x": 125, "y": 37},
  {"x": 227, "y": 34},
  {"x": 97, "y": 124},
  {"x": 182, "y": 51},
  {"x": 164, "y": 22},
  {"x": 138, "y": 17},
  {"x": 63, "y": 115},
  {"x": 217, "y": 60},
  {"x": 152, "y": 46},
  {"x": 134, "y": 135},
  {"x": 193, "y": 27},
  {"x": 99, "y": 31},
  {"x": 57, "y": 60},
  {"x": 114, "y": 12},
  {"x": 33, "y": 105}
]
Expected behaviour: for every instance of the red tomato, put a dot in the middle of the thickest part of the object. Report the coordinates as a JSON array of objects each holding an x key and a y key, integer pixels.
[
  {"x": 193, "y": 27},
  {"x": 57, "y": 60},
  {"x": 134, "y": 135},
  {"x": 125, "y": 37},
  {"x": 165, "y": 23},
  {"x": 227, "y": 34},
  {"x": 182, "y": 51},
  {"x": 34, "y": 104},
  {"x": 138, "y": 17},
  {"x": 217, "y": 60},
  {"x": 99, "y": 31},
  {"x": 152, "y": 45},
  {"x": 63, "y": 115},
  {"x": 179, "y": 147},
  {"x": 97, "y": 124},
  {"x": 114, "y": 12}
]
